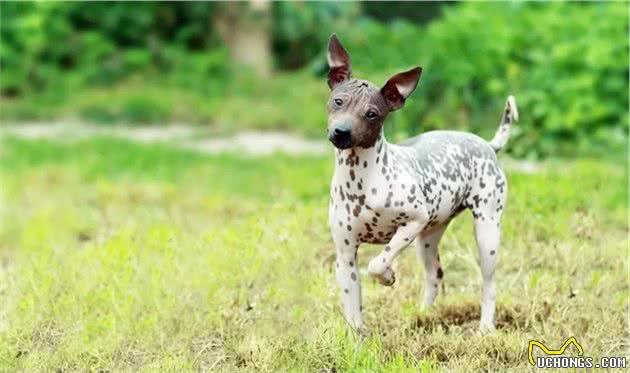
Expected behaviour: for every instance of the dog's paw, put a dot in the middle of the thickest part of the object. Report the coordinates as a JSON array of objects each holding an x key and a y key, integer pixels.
[
  {"x": 388, "y": 278},
  {"x": 378, "y": 270},
  {"x": 486, "y": 328}
]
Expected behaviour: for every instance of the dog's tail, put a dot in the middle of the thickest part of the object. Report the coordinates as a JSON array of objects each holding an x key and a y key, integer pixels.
[{"x": 510, "y": 114}]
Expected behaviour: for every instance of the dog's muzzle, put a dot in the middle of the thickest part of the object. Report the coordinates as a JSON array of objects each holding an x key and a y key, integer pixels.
[{"x": 341, "y": 137}]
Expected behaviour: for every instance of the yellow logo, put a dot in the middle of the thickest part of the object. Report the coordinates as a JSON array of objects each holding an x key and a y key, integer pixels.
[{"x": 559, "y": 351}]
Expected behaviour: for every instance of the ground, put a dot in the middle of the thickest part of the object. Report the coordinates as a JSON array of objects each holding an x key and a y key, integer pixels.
[{"x": 120, "y": 256}]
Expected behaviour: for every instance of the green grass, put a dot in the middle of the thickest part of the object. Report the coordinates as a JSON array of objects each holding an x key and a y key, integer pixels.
[{"x": 124, "y": 257}]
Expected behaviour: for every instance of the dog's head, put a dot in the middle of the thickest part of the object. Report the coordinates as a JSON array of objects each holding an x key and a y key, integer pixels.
[{"x": 357, "y": 108}]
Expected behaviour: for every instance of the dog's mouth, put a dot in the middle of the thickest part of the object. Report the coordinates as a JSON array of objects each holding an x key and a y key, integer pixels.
[{"x": 341, "y": 143}]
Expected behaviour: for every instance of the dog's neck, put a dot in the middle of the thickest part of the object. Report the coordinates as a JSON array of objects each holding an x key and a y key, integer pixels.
[{"x": 360, "y": 160}]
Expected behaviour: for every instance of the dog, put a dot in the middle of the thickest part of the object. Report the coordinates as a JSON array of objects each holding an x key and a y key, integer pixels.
[{"x": 395, "y": 194}]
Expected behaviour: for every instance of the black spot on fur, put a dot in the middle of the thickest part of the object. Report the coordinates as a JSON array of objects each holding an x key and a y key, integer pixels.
[
  {"x": 362, "y": 199},
  {"x": 388, "y": 201}
]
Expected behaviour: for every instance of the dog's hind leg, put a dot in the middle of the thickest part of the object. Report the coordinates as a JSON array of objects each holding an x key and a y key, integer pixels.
[
  {"x": 487, "y": 209},
  {"x": 488, "y": 235},
  {"x": 427, "y": 248}
]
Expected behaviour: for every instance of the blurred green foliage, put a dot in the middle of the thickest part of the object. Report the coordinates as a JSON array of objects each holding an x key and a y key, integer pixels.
[
  {"x": 51, "y": 45},
  {"x": 566, "y": 63}
]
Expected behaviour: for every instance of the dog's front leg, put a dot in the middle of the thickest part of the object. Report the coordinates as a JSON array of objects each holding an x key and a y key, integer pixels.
[
  {"x": 349, "y": 282},
  {"x": 380, "y": 266}
]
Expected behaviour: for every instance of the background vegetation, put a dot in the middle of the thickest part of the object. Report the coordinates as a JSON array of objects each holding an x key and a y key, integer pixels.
[{"x": 235, "y": 66}]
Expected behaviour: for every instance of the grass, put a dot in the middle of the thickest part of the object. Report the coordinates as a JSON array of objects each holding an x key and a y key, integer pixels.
[{"x": 124, "y": 257}]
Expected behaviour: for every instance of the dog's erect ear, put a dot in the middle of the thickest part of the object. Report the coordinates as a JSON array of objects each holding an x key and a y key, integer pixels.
[
  {"x": 338, "y": 62},
  {"x": 399, "y": 87}
]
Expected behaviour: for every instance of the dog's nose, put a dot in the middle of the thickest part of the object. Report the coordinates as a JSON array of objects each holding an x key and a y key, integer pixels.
[
  {"x": 342, "y": 132},
  {"x": 340, "y": 136}
]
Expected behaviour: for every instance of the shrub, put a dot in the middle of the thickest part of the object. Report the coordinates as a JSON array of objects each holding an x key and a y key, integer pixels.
[{"x": 567, "y": 64}]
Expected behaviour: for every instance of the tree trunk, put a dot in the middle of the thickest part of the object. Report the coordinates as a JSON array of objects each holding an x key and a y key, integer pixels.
[{"x": 246, "y": 30}]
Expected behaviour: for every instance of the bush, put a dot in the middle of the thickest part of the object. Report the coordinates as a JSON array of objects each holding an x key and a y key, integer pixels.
[
  {"x": 70, "y": 45},
  {"x": 566, "y": 63}
]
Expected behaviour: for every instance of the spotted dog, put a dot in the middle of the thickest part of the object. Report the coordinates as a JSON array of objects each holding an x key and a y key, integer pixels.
[{"x": 391, "y": 194}]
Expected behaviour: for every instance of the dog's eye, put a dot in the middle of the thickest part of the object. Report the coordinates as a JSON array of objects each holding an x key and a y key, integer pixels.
[
  {"x": 371, "y": 115},
  {"x": 338, "y": 101}
]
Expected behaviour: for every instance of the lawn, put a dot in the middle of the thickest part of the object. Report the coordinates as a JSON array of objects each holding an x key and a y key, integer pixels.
[{"x": 124, "y": 257}]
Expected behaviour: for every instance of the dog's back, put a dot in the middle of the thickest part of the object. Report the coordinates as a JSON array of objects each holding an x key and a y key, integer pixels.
[{"x": 456, "y": 170}]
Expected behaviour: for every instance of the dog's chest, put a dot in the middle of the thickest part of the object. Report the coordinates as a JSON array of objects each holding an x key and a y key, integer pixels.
[{"x": 370, "y": 203}]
